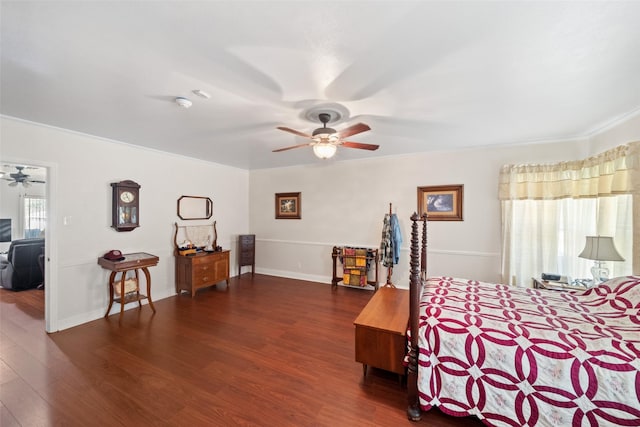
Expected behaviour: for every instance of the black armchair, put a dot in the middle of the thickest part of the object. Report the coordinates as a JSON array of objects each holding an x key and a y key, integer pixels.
[{"x": 20, "y": 270}]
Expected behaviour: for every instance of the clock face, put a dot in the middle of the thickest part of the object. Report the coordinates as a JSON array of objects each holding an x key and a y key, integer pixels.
[{"x": 127, "y": 196}]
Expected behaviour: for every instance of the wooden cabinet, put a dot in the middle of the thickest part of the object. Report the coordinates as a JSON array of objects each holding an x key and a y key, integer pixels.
[
  {"x": 201, "y": 270},
  {"x": 246, "y": 252},
  {"x": 381, "y": 329}
]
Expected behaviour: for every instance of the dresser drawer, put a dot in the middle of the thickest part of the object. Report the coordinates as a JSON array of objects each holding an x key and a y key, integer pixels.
[
  {"x": 199, "y": 269},
  {"x": 204, "y": 278},
  {"x": 247, "y": 238},
  {"x": 200, "y": 260}
]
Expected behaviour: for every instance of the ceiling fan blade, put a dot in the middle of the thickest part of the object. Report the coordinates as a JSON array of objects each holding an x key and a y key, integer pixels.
[
  {"x": 13, "y": 184},
  {"x": 37, "y": 181},
  {"x": 290, "y": 148},
  {"x": 353, "y": 129},
  {"x": 295, "y": 132},
  {"x": 360, "y": 145}
]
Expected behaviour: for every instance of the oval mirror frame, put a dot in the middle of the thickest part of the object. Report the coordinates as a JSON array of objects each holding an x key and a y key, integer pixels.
[{"x": 195, "y": 207}]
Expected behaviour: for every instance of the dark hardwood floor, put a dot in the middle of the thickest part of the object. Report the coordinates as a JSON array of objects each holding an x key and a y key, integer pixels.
[{"x": 265, "y": 351}]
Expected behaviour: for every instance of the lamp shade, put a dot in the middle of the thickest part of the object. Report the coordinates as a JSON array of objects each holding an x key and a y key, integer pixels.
[
  {"x": 324, "y": 151},
  {"x": 600, "y": 248}
]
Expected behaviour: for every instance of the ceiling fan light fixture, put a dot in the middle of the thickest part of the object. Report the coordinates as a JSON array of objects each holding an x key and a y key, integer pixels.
[
  {"x": 324, "y": 138},
  {"x": 324, "y": 150}
]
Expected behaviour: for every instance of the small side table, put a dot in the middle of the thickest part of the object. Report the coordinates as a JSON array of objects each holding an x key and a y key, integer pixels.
[
  {"x": 555, "y": 286},
  {"x": 134, "y": 261}
]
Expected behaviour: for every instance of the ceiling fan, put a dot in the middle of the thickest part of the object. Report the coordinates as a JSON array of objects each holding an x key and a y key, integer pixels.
[
  {"x": 21, "y": 178},
  {"x": 325, "y": 141}
]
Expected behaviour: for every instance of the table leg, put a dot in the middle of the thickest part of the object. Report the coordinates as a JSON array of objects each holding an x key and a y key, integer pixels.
[
  {"x": 110, "y": 284},
  {"x": 122, "y": 279},
  {"x": 148, "y": 277},
  {"x": 138, "y": 288}
]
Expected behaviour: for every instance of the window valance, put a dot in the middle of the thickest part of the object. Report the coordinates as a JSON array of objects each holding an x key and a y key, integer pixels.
[{"x": 616, "y": 171}]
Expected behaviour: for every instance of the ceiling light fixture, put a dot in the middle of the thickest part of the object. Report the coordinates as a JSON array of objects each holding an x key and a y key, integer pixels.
[
  {"x": 324, "y": 150},
  {"x": 202, "y": 94},
  {"x": 183, "y": 102},
  {"x": 326, "y": 139}
]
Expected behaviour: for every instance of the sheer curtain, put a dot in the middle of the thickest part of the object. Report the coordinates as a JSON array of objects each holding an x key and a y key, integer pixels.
[{"x": 548, "y": 210}]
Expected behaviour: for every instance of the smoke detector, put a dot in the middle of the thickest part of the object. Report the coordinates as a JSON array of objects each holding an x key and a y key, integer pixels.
[{"x": 183, "y": 102}]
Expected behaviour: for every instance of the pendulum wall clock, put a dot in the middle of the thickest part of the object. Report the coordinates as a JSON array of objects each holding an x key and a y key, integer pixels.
[{"x": 125, "y": 214}]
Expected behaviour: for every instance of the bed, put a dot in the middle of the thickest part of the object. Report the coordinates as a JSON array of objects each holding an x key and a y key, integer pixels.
[{"x": 520, "y": 356}]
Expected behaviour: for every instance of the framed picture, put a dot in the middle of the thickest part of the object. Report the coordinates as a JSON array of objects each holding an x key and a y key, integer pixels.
[
  {"x": 288, "y": 206},
  {"x": 441, "y": 202}
]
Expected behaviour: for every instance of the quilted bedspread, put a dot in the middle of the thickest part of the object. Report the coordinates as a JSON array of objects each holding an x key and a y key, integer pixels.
[{"x": 527, "y": 357}]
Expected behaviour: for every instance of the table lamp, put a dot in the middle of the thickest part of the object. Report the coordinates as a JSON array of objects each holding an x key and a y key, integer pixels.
[{"x": 600, "y": 249}]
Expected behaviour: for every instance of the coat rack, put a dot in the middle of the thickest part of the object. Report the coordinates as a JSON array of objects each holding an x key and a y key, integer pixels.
[{"x": 390, "y": 267}]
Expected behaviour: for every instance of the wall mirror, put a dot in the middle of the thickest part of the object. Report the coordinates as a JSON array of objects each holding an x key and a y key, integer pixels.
[{"x": 195, "y": 207}]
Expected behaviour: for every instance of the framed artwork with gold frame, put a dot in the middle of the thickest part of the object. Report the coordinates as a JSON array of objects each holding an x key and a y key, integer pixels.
[
  {"x": 288, "y": 206},
  {"x": 441, "y": 202}
]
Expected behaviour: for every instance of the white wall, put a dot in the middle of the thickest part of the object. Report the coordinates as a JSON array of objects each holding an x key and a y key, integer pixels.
[
  {"x": 618, "y": 134},
  {"x": 343, "y": 203},
  {"x": 84, "y": 166}
]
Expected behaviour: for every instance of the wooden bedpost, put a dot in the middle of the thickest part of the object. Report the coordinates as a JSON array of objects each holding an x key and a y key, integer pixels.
[
  {"x": 423, "y": 254},
  {"x": 413, "y": 410}
]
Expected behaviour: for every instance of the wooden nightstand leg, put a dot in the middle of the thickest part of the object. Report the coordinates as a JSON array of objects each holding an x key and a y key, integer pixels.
[{"x": 364, "y": 370}]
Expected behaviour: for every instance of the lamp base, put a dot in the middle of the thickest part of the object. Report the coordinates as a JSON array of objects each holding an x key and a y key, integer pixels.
[{"x": 600, "y": 272}]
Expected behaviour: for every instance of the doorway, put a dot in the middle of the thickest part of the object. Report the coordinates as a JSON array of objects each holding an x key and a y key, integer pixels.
[{"x": 26, "y": 194}]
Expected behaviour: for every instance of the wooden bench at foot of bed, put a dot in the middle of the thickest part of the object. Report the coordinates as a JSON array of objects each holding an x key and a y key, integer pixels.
[{"x": 381, "y": 329}]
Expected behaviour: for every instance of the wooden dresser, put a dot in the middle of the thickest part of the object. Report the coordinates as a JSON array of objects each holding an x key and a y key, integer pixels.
[
  {"x": 247, "y": 252},
  {"x": 201, "y": 270},
  {"x": 381, "y": 329}
]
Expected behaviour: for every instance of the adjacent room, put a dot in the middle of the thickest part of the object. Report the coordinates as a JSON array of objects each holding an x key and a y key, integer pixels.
[{"x": 250, "y": 213}]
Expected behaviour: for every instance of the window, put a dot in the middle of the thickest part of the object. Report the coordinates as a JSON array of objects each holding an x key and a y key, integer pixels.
[
  {"x": 35, "y": 216},
  {"x": 548, "y": 210},
  {"x": 548, "y": 235}
]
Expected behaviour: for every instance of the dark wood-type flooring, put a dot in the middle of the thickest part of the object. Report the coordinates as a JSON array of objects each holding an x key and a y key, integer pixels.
[{"x": 265, "y": 351}]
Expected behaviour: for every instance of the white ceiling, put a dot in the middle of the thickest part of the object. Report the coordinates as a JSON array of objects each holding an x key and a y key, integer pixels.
[{"x": 424, "y": 75}]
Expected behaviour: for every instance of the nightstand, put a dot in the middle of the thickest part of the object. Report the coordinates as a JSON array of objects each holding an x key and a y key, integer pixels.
[{"x": 556, "y": 286}]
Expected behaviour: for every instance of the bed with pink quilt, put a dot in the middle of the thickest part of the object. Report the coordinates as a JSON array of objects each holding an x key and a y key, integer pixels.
[{"x": 524, "y": 357}]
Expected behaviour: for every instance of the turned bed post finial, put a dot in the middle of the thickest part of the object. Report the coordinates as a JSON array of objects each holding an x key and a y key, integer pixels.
[
  {"x": 423, "y": 254},
  {"x": 413, "y": 409}
]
